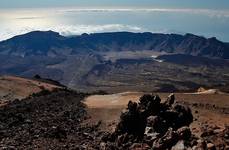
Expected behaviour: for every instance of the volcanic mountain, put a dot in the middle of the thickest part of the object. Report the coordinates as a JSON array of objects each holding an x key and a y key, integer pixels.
[
  {"x": 42, "y": 43},
  {"x": 119, "y": 61}
]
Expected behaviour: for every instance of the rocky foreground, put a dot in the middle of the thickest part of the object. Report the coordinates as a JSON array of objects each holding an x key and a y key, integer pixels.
[
  {"x": 151, "y": 124},
  {"x": 56, "y": 120},
  {"x": 47, "y": 120}
]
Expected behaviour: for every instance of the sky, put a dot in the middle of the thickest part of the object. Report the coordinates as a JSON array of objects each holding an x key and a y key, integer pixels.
[
  {"x": 70, "y": 17},
  {"x": 214, "y": 4}
]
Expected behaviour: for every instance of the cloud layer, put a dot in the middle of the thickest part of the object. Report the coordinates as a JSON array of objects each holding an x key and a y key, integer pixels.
[
  {"x": 75, "y": 21},
  {"x": 208, "y": 12},
  {"x": 79, "y": 29},
  {"x": 70, "y": 29}
]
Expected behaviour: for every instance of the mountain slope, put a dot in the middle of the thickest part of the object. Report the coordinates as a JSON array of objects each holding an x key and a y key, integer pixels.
[
  {"x": 119, "y": 61},
  {"x": 150, "y": 75},
  {"x": 46, "y": 120},
  {"x": 47, "y": 43},
  {"x": 12, "y": 87},
  {"x": 33, "y": 43}
]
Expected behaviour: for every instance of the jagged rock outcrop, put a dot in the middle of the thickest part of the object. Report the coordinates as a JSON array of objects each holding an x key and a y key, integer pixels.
[{"x": 153, "y": 124}]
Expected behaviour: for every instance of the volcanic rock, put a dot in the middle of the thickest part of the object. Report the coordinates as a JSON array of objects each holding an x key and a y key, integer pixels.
[
  {"x": 211, "y": 146},
  {"x": 159, "y": 125}
]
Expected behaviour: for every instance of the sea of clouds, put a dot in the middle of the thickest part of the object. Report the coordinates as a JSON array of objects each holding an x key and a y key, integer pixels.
[{"x": 7, "y": 32}]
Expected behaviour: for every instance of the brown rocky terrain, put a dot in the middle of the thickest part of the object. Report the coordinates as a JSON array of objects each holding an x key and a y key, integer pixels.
[
  {"x": 46, "y": 120},
  {"x": 12, "y": 87},
  {"x": 210, "y": 112},
  {"x": 56, "y": 118}
]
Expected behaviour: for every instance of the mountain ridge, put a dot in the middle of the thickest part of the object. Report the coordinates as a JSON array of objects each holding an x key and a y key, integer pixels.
[
  {"x": 45, "y": 42},
  {"x": 119, "y": 61}
]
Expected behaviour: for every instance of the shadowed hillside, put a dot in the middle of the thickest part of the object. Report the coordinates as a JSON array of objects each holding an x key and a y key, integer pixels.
[
  {"x": 119, "y": 61},
  {"x": 45, "y": 43}
]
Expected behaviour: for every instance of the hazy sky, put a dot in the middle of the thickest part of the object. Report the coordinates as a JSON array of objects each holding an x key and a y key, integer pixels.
[
  {"x": 69, "y": 17},
  {"x": 213, "y": 4}
]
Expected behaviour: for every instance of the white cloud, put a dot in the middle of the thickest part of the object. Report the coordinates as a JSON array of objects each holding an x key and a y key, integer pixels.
[
  {"x": 79, "y": 29},
  {"x": 208, "y": 12},
  {"x": 70, "y": 29},
  {"x": 54, "y": 11},
  {"x": 28, "y": 18},
  {"x": 15, "y": 23}
]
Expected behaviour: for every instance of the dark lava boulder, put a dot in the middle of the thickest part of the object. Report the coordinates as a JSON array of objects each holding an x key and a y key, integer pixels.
[
  {"x": 160, "y": 125},
  {"x": 131, "y": 121}
]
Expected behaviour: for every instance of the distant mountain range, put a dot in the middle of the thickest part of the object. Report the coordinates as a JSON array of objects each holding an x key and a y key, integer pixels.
[
  {"x": 119, "y": 61},
  {"x": 52, "y": 43}
]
